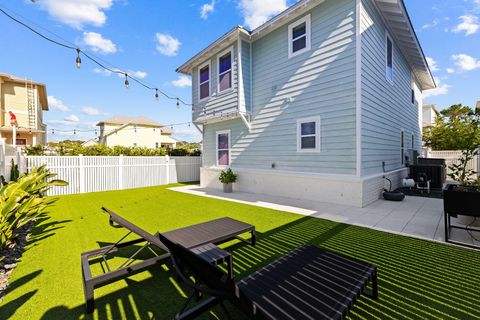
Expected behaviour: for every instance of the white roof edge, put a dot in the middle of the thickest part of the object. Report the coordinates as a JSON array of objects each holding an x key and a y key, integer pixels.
[
  {"x": 423, "y": 76},
  {"x": 235, "y": 31}
]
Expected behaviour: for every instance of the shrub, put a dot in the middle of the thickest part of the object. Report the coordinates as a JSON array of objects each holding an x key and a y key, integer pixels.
[
  {"x": 179, "y": 152},
  {"x": 227, "y": 176},
  {"x": 23, "y": 201},
  {"x": 14, "y": 173}
]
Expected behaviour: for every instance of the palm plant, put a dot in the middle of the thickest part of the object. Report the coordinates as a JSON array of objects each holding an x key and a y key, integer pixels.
[{"x": 23, "y": 201}]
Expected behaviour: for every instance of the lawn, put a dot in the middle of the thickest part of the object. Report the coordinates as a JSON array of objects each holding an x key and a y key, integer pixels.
[{"x": 417, "y": 278}]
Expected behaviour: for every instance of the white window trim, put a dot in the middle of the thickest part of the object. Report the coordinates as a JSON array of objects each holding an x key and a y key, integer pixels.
[
  {"x": 387, "y": 36},
  {"x": 317, "y": 135},
  {"x": 307, "y": 21},
  {"x": 229, "y": 147},
  {"x": 209, "y": 80},
  {"x": 221, "y": 54}
]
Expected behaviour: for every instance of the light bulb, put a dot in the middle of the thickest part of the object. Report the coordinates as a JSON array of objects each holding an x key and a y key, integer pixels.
[
  {"x": 157, "y": 97},
  {"x": 178, "y": 104},
  {"x": 78, "y": 61},
  {"x": 126, "y": 81}
]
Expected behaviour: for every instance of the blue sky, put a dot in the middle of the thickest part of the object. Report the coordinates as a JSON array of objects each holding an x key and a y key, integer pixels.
[{"x": 150, "y": 39}]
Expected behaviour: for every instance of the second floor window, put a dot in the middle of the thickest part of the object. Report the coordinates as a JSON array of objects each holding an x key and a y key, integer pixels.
[
  {"x": 389, "y": 58},
  {"x": 204, "y": 81},
  {"x": 225, "y": 72},
  {"x": 299, "y": 36}
]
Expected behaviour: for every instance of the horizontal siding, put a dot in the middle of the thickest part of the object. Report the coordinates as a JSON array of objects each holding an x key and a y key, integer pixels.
[
  {"x": 217, "y": 103},
  {"x": 320, "y": 82},
  {"x": 386, "y": 107}
]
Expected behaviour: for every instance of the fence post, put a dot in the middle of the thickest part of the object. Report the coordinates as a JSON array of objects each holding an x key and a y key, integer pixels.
[
  {"x": 167, "y": 165},
  {"x": 478, "y": 162},
  {"x": 120, "y": 172},
  {"x": 81, "y": 175}
]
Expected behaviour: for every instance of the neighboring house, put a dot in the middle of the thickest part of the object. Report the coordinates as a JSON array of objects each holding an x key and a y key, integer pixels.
[
  {"x": 89, "y": 143},
  {"x": 318, "y": 103},
  {"x": 429, "y": 114},
  {"x": 135, "y": 132},
  {"x": 26, "y": 100}
]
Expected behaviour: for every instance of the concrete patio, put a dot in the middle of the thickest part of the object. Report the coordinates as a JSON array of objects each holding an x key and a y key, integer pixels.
[{"x": 419, "y": 217}]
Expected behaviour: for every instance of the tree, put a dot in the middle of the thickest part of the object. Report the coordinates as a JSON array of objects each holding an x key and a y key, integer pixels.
[{"x": 456, "y": 128}]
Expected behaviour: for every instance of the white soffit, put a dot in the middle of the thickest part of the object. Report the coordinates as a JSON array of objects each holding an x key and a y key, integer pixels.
[{"x": 396, "y": 17}]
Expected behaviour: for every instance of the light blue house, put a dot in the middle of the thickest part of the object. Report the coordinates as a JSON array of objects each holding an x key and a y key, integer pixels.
[{"x": 318, "y": 103}]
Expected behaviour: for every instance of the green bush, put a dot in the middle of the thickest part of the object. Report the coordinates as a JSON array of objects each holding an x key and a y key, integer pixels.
[
  {"x": 227, "y": 176},
  {"x": 14, "y": 173},
  {"x": 23, "y": 200}
]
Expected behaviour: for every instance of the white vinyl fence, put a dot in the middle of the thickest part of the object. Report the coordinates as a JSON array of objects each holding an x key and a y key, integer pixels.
[
  {"x": 453, "y": 157},
  {"x": 92, "y": 174}
]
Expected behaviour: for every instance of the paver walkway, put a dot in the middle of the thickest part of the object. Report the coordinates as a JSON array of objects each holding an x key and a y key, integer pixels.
[{"x": 415, "y": 216}]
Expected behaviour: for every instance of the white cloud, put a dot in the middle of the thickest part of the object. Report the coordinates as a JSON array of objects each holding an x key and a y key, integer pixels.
[
  {"x": 440, "y": 90},
  {"x": 466, "y": 62},
  {"x": 470, "y": 25},
  {"x": 257, "y": 12},
  {"x": 92, "y": 111},
  {"x": 57, "y": 104},
  {"x": 432, "y": 63},
  {"x": 102, "y": 72},
  {"x": 77, "y": 13},
  {"x": 167, "y": 45},
  {"x": 72, "y": 118},
  {"x": 182, "y": 82},
  {"x": 96, "y": 42},
  {"x": 206, "y": 9},
  {"x": 434, "y": 23},
  {"x": 137, "y": 74},
  {"x": 450, "y": 70}
]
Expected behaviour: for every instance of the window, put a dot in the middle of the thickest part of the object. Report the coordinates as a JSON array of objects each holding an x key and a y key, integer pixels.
[
  {"x": 413, "y": 96},
  {"x": 402, "y": 147},
  {"x": 204, "y": 81},
  {"x": 308, "y": 135},
  {"x": 223, "y": 148},
  {"x": 389, "y": 58},
  {"x": 299, "y": 36},
  {"x": 413, "y": 141},
  {"x": 225, "y": 71}
]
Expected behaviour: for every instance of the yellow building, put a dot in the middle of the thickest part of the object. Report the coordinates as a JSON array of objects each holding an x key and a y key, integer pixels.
[
  {"x": 135, "y": 132},
  {"x": 27, "y": 100}
]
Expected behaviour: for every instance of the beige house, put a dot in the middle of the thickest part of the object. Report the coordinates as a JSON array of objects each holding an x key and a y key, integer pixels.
[
  {"x": 429, "y": 114},
  {"x": 26, "y": 100},
  {"x": 135, "y": 132}
]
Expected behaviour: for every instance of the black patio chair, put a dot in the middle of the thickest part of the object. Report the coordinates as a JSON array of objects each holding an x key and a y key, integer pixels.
[
  {"x": 200, "y": 237},
  {"x": 307, "y": 283}
]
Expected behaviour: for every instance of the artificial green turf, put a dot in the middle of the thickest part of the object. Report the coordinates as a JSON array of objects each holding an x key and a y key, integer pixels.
[{"x": 417, "y": 279}]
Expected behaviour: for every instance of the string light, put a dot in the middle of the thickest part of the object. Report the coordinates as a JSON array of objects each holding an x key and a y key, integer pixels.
[
  {"x": 127, "y": 84},
  {"x": 157, "y": 97},
  {"x": 78, "y": 61},
  {"x": 74, "y": 131},
  {"x": 94, "y": 59}
]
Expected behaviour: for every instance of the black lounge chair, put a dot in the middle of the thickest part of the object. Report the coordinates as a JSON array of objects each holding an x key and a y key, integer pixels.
[
  {"x": 200, "y": 237},
  {"x": 308, "y": 283}
]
